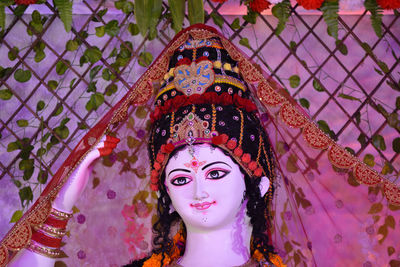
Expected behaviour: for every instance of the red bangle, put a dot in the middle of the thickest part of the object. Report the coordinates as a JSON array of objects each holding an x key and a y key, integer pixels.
[
  {"x": 57, "y": 223},
  {"x": 46, "y": 240}
]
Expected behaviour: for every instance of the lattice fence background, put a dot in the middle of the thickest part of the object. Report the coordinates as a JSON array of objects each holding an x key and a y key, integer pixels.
[{"x": 55, "y": 85}]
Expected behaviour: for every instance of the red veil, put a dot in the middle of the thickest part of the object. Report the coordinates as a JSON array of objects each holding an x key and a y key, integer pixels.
[{"x": 329, "y": 208}]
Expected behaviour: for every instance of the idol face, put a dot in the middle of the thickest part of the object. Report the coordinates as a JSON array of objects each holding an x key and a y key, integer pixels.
[{"x": 206, "y": 188}]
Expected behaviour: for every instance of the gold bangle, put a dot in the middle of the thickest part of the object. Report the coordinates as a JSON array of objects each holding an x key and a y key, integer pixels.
[
  {"x": 60, "y": 214},
  {"x": 50, "y": 230},
  {"x": 45, "y": 251}
]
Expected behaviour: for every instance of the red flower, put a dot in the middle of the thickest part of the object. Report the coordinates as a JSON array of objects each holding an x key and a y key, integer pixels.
[
  {"x": 253, "y": 165},
  {"x": 225, "y": 138},
  {"x": 259, "y": 5},
  {"x": 166, "y": 108},
  {"x": 157, "y": 166},
  {"x": 231, "y": 144},
  {"x": 238, "y": 152},
  {"x": 196, "y": 99},
  {"x": 310, "y": 4},
  {"x": 225, "y": 99},
  {"x": 216, "y": 140},
  {"x": 160, "y": 157},
  {"x": 389, "y": 4},
  {"x": 246, "y": 158},
  {"x": 25, "y": 2},
  {"x": 155, "y": 115},
  {"x": 154, "y": 187},
  {"x": 210, "y": 97},
  {"x": 169, "y": 148},
  {"x": 179, "y": 101},
  {"x": 258, "y": 172}
]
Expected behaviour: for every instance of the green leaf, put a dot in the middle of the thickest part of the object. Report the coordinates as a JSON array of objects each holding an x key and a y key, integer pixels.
[
  {"x": 52, "y": 84},
  {"x": 61, "y": 67},
  {"x": 65, "y": 11},
  {"x": 349, "y": 97},
  {"x": 375, "y": 208},
  {"x": 42, "y": 176},
  {"x": 141, "y": 112},
  {"x": 341, "y": 47},
  {"x": 92, "y": 87},
  {"x": 282, "y": 12},
  {"x": 251, "y": 16},
  {"x": 59, "y": 109},
  {"x": 383, "y": 66},
  {"x": 195, "y": 11},
  {"x": 235, "y": 25},
  {"x": 12, "y": 54},
  {"x": 64, "y": 121},
  {"x": 111, "y": 89},
  {"x": 294, "y": 81},
  {"x": 393, "y": 85},
  {"x": 369, "y": 160},
  {"x": 127, "y": 7},
  {"x": 112, "y": 28},
  {"x": 145, "y": 59},
  {"x": 293, "y": 45},
  {"x": 13, "y": 146},
  {"x": 304, "y": 102},
  {"x": 5, "y": 94},
  {"x": 357, "y": 117},
  {"x": 25, "y": 194},
  {"x": 133, "y": 29},
  {"x": 325, "y": 128},
  {"x": 245, "y": 42},
  {"x": 177, "y": 8},
  {"x": 217, "y": 19},
  {"x": 16, "y": 216},
  {"x": 93, "y": 54},
  {"x": 379, "y": 142},
  {"x": 142, "y": 15},
  {"x": 41, "y": 151},
  {"x": 396, "y": 145},
  {"x": 26, "y": 164},
  {"x": 362, "y": 138},
  {"x": 20, "y": 10},
  {"x": 22, "y": 76},
  {"x": 317, "y": 86},
  {"x": 106, "y": 75},
  {"x": 27, "y": 174},
  {"x": 72, "y": 45},
  {"x": 2, "y": 17},
  {"x": 376, "y": 16},
  {"x": 36, "y": 17},
  {"x": 154, "y": 18},
  {"x": 62, "y": 131},
  {"x": 330, "y": 11},
  {"x": 95, "y": 102},
  {"x": 39, "y": 56},
  {"x": 94, "y": 71},
  {"x": 22, "y": 123}
]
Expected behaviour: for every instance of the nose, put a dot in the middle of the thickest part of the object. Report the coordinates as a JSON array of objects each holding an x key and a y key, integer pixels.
[{"x": 200, "y": 192}]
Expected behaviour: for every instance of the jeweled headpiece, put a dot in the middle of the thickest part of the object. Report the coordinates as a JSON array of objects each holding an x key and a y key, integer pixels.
[{"x": 204, "y": 99}]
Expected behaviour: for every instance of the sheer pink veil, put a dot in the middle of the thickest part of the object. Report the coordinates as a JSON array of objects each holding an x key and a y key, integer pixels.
[{"x": 329, "y": 208}]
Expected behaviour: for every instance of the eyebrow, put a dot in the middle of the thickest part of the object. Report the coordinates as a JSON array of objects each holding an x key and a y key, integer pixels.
[
  {"x": 184, "y": 170},
  {"x": 215, "y": 162}
]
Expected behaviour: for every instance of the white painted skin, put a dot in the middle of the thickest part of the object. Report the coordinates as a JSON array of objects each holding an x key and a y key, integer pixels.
[
  {"x": 66, "y": 199},
  {"x": 210, "y": 201}
]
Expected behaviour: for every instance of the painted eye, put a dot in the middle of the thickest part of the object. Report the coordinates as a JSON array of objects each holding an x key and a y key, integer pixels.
[
  {"x": 217, "y": 174},
  {"x": 178, "y": 181}
]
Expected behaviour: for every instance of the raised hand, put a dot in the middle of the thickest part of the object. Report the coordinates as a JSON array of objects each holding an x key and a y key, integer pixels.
[{"x": 73, "y": 188}]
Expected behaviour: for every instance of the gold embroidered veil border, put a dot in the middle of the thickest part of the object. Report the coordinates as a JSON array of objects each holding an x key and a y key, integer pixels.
[{"x": 285, "y": 115}]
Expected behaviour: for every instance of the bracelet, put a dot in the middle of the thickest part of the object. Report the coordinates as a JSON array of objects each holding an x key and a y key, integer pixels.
[
  {"x": 46, "y": 238},
  {"x": 60, "y": 214},
  {"x": 45, "y": 251}
]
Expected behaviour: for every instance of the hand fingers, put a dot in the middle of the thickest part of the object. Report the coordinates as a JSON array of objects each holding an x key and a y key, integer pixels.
[
  {"x": 112, "y": 139},
  {"x": 105, "y": 151}
]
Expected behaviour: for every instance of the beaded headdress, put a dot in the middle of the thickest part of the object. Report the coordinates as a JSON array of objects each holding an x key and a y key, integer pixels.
[{"x": 204, "y": 99}]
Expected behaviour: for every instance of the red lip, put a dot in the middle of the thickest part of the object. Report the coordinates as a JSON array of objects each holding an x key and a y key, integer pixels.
[{"x": 202, "y": 205}]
